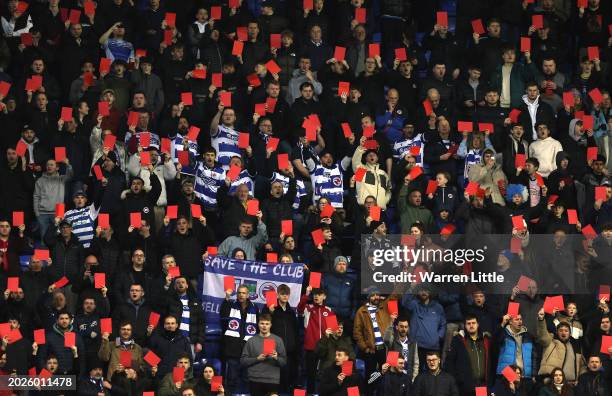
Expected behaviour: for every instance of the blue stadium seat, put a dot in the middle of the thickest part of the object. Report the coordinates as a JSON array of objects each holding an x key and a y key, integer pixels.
[{"x": 360, "y": 366}]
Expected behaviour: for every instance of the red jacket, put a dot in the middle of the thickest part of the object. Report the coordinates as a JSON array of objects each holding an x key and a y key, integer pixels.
[{"x": 313, "y": 321}]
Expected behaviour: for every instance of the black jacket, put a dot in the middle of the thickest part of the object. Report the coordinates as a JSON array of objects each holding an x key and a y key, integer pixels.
[
  {"x": 174, "y": 307},
  {"x": 168, "y": 346},
  {"x": 137, "y": 314},
  {"x": 188, "y": 248},
  {"x": 67, "y": 256},
  {"x": 427, "y": 384},
  {"x": 328, "y": 385},
  {"x": 144, "y": 202},
  {"x": 285, "y": 325},
  {"x": 277, "y": 209}
]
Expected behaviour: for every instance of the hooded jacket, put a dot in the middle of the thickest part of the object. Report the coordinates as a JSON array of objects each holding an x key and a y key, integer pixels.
[
  {"x": 567, "y": 194},
  {"x": 49, "y": 190},
  {"x": 507, "y": 343},
  {"x": 545, "y": 150},
  {"x": 410, "y": 214},
  {"x": 492, "y": 178},
  {"x": 555, "y": 354},
  {"x": 376, "y": 182},
  {"x": 55, "y": 346}
]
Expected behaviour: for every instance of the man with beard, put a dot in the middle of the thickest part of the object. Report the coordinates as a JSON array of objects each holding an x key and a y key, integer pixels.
[
  {"x": 111, "y": 351},
  {"x": 94, "y": 383},
  {"x": 371, "y": 320},
  {"x": 67, "y": 358},
  {"x": 209, "y": 177},
  {"x": 224, "y": 136},
  {"x": 183, "y": 303},
  {"x": 396, "y": 339},
  {"x": 18, "y": 352},
  {"x": 88, "y": 326},
  {"x": 469, "y": 358},
  {"x": 169, "y": 344}
]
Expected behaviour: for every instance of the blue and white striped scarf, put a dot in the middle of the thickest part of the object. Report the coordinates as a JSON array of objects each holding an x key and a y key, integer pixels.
[
  {"x": 378, "y": 340},
  {"x": 185, "y": 315}
]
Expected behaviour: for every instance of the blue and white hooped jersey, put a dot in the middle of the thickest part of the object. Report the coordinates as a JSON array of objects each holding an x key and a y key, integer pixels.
[
  {"x": 178, "y": 145},
  {"x": 329, "y": 183},
  {"x": 284, "y": 180},
  {"x": 225, "y": 141},
  {"x": 207, "y": 182},
  {"x": 243, "y": 178},
  {"x": 403, "y": 146},
  {"x": 83, "y": 223}
]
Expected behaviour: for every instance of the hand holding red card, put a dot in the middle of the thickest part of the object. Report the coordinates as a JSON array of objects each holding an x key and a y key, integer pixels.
[
  {"x": 513, "y": 309},
  {"x": 152, "y": 359},
  {"x": 269, "y": 346},
  {"x": 604, "y": 293},
  {"x": 606, "y": 344},
  {"x": 287, "y": 227},
  {"x": 392, "y": 358},
  {"x": 392, "y": 307},
  {"x": 252, "y": 207},
  {"x": 106, "y": 325},
  {"x": 315, "y": 280},
  {"x": 12, "y": 284},
  {"x": 229, "y": 283},
  {"x": 69, "y": 339},
  {"x": 552, "y": 303},
  {"x": 271, "y": 298},
  {"x": 347, "y": 368},
  {"x": 40, "y": 336},
  {"x": 523, "y": 283},
  {"x": 99, "y": 280},
  {"x": 153, "y": 319},
  {"x": 510, "y": 374}
]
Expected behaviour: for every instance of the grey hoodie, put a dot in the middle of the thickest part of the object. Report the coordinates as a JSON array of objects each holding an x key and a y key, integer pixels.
[{"x": 49, "y": 190}]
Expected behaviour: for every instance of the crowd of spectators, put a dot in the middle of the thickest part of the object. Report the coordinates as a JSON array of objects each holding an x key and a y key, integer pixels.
[{"x": 141, "y": 137}]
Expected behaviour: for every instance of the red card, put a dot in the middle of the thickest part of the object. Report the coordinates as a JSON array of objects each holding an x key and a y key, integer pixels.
[
  {"x": 215, "y": 12},
  {"x": 12, "y": 283},
  {"x": 331, "y": 322},
  {"x": 582, "y": 3},
  {"x": 360, "y": 173},
  {"x": 87, "y": 79},
  {"x": 552, "y": 198},
  {"x": 198, "y": 73},
  {"x": 145, "y": 139},
  {"x": 486, "y": 126},
  {"x": 26, "y": 39},
  {"x": 606, "y": 343},
  {"x": 509, "y": 374},
  {"x": 346, "y": 129},
  {"x": 18, "y": 219},
  {"x": 233, "y": 172},
  {"x": 283, "y": 161},
  {"x": 589, "y": 232},
  {"x": 352, "y": 391},
  {"x": 63, "y": 281},
  {"x": 105, "y": 64},
  {"x": 595, "y": 95},
  {"x": 196, "y": 211},
  {"x": 287, "y": 227},
  {"x": 593, "y": 53},
  {"x": 519, "y": 161},
  {"x": 152, "y": 359},
  {"x": 339, "y": 53},
  {"x": 4, "y": 88},
  {"x": 568, "y": 99},
  {"x": 145, "y": 158},
  {"x": 260, "y": 108},
  {"x": 104, "y": 109},
  {"x": 537, "y": 21},
  {"x": 347, "y": 368},
  {"x": 41, "y": 254},
  {"x": 174, "y": 272},
  {"x": 360, "y": 15},
  {"x": 69, "y": 339},
  {"x": 415, "y": 150},
  {"x": 550, "y": 303},
  {"x": 601, "y": 193},
  {"x": 271, "y": 104},
  {"x": 477, "y": 26},
  {"x": 400, "y": 54},
  {"x": 60, "y": 154},
  {"x": 14, "y": 335},
  {"x": 513, "y": 309},
  {"x": 514, "y": 115},
  {"x": 153, "y": 319},
  {"x": 242, "y": 33},
  {"x": 40, "y": 336},
  {"x": 373, "y": 50},
  {"x": 110, "y": 139},
  {"x": 136, "y": 219},
  {"x": 308, "y": 4},
  {"x": 465, "y": 126},
  {"x": 314, "y": 280},
  {"x": 523, "y": 283},
  {"x": 427, "y": 107},
  {"x": 271, "y": 298},
  {"x": 572, "y": 216},
  {"x": 90, "y": 7},
  {"x": 432, "y": 186},
  {"x": 252, "y": 207},
  {"x": 525, "y": 44},
  {"x": 317, "y": 237},
  {"x": 369, "y": 131},
  {"x": 471, "y": 188},
  {"x": 103, "y": 220},
  {"x": 269, "y": 345},
  {"x": 604, "y": 293},
  {"x": 166, "y": 145},
  {"x": 183, "y": 157},
  {"x": 515, "y": 245},
  {"x": 170, "y": 19},
  {"x": 253, "y": 80},
  {"x": 98, "y": 172},
  {"x": 226, "y": 98},
  {"x": 106, "y": 325},
  {"x": 272, "y": 144},
  {"x": 237, "y": 48},
  {"x": 442, "y": 18},
  {"x": 66, "y": 114},
  {"x": 216, "y": 383},
  {"x": 178, "y": 374},
  {"x": 187, "y": 98},
  {"x": 22, "y": 7},
  {"x": 375, "y": 212},
  {"x": 327, "y": 211},
  {"x": 229, "y": 282},
  {"x": 539, "y": 180},
  {"x": 172, "y": 211},
  {"x": 591, "y": 153},
  {"x": 74, "y": 16},
  {"x": 275, "y": 40},
  {"x": 271, "y": 258},
  {"x": 392, "y": 357},
  {"x": 99, "y": 280},
  {"x": 125, "y": 358},
  {"x": 392, "y": 307},
  {"x": 448, "y": 229},
  {"x": 480, "y": 391},
  {"x": 415, "y": 172},
  {"x": 133, "y": 119},
  {"x": 217, "y": 80},
  {"x": 272, "y": 67},
  {"x": 33, "y": 83},
  {"x": 60, "y": 209},
  {"x": 518, "y": 222},
  {"x": 212, "y": 250},
  {"x": 343, "y": 88}
]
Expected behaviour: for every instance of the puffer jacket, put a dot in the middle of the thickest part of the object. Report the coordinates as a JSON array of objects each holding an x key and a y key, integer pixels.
[
  {"x": 490, "y": 178},
  {"x": 341, "y": 292},
  {"x": 554, "y": 354},
  {"x": 507, "y": 351},
  {"x": 376, "y": 182}
]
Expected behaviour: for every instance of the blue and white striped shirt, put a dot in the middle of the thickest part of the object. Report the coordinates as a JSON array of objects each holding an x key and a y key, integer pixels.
[
  {"x": 207, "y": 182},
  {"x": 225, "y": 141},
  {"x": 284, "y": 180},
  {"x": 83, "y": 223}
]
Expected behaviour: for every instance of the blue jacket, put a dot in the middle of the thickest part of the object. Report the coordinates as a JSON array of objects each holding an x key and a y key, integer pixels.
[
  {"x": 427, "y": 322},
  {"x": 341, "y": 293},
  {"x": 54, "y": 345},
  {"x": 507, "y": 352}
]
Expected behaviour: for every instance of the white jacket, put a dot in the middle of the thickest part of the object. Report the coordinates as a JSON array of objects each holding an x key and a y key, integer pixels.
[
  {"x": 546, "y": 152},
  {"x": 164, "y": 171}
]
